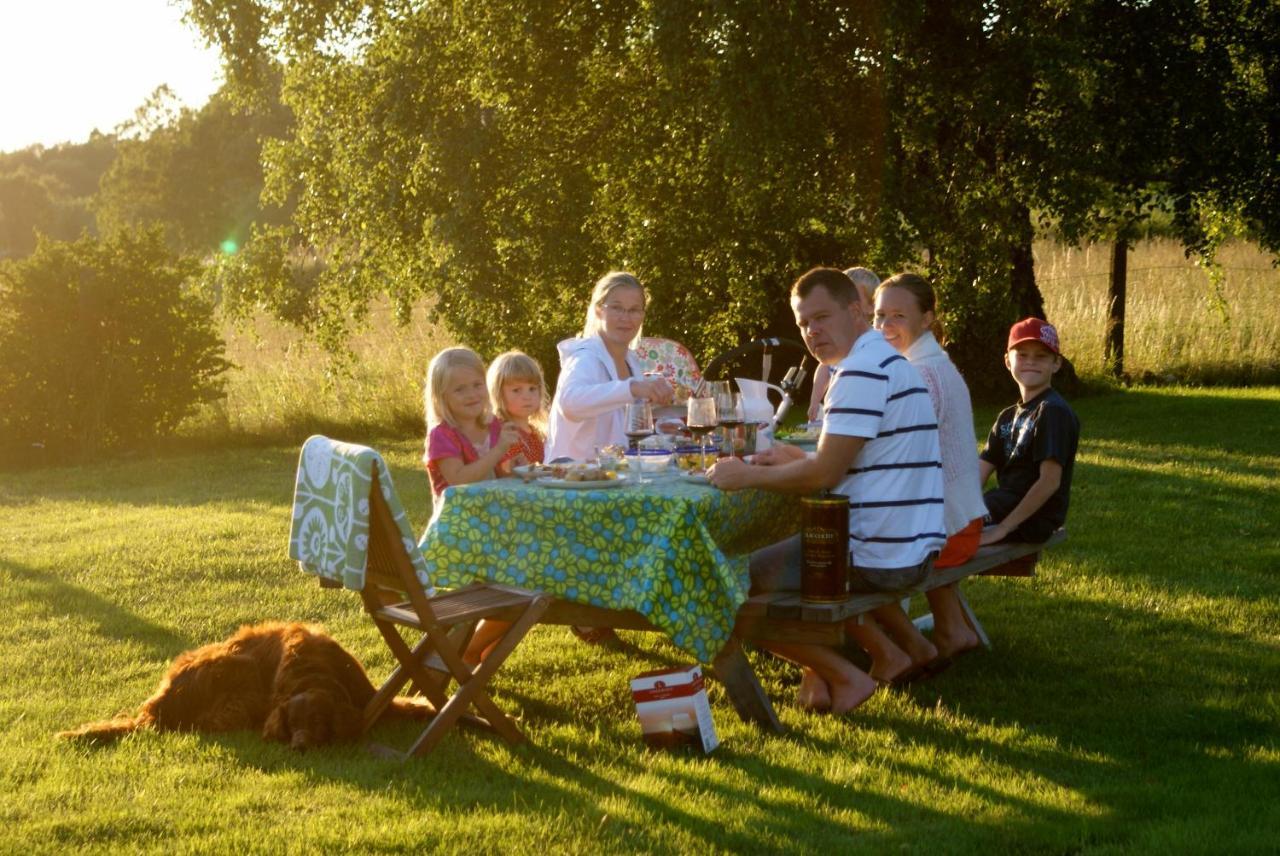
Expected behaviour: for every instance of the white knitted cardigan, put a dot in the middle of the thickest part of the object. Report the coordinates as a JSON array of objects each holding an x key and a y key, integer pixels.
[{"x": 961, "y": 492}]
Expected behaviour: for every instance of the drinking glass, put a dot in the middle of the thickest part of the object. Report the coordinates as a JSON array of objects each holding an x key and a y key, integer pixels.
[
  {"x": 729, "y": 410},
  {"x": 701, "y": 420},
  {"x": 639, "y": 424}
]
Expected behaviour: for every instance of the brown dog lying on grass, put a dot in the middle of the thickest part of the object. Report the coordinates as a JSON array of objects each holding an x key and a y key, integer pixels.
[{"x": 292, "y": 681}]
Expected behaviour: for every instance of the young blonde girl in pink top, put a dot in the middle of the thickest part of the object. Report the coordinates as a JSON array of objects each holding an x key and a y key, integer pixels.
[{"x": 465, "y": 441}]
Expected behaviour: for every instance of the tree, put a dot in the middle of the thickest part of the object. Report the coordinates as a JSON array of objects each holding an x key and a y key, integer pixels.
[
  {"x": 47, "y": 191},
  {"x": 102, "y": 346},
  {"x": 197, "y": 174},
  {"x": 498, "y": 157}
]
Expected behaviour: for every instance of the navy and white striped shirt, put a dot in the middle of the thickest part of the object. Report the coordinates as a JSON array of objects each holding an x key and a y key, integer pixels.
[{"x": 895, "y": 484}]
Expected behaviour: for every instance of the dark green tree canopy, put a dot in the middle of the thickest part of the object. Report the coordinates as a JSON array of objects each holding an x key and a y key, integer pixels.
[{"x": 499, "y": 157}]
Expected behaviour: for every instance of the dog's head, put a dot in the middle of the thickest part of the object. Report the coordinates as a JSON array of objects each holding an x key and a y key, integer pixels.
[{"x": 314, "y": 717}]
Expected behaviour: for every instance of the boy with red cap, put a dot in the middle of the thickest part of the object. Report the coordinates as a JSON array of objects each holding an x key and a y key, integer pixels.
[{"x": 1032, "y": 446}]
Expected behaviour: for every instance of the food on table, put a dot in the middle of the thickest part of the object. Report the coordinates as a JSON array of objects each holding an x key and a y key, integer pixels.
[
  {"x": 807, "y": 433},
  {"x": 569, "y": 472},
  {"x": 691, "y": 462}
]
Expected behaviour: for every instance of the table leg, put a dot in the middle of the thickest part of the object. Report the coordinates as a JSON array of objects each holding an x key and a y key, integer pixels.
[{"x": 734, "y": 671}]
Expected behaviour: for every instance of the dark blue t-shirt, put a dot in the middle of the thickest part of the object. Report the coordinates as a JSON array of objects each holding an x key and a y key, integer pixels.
[{"x": 1044, "y": 428}]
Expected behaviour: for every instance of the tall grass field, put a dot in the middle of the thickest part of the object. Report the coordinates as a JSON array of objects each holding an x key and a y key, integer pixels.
[
  {"x": 1129, "y": 702},
  {"x": 1180, "y": 329},
  {"x": 1180, "y": 326}
]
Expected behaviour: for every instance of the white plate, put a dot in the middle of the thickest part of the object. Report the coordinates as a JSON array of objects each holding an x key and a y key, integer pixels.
[
  {"x": 696, "y": 478},
  {"x": 601, "y": 484}
]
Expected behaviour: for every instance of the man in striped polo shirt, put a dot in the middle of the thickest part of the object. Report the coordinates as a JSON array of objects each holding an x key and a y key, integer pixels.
[{"x": 879, "y": 447}]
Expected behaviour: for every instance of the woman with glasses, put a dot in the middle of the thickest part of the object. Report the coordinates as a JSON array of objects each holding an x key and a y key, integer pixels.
[{"x": 600, "y": 373}]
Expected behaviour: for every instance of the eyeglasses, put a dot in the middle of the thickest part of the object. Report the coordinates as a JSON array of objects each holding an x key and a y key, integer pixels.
[{"x": 622, "y": 311}]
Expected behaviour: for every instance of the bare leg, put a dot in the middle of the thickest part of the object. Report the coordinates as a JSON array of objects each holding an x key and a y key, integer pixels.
[
  {"x": 888, "y": 661},
  {"x": 951, "y": 631},
  {"x": 813, "y": 694},
  {"x": 905, "y": 634},
  {"x": 847, "y": 685},
  {"x": 488, "y": 632}
]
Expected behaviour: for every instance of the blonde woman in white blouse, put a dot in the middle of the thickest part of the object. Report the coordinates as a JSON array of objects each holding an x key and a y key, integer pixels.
[
  {"x": 600, "y": 373},
  {"x": 905, "y": 315}
]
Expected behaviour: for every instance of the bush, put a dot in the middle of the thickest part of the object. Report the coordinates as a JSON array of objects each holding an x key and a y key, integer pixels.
[{"x": 102, "y": 346}]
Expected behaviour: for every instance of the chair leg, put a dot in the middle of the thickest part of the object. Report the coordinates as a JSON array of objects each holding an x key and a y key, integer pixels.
[
  {"x": 402, "y": 675},
  {"x": 471, "y": 689}
]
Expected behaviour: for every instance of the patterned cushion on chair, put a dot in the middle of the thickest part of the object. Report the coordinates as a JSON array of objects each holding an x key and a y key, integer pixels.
[
  {"x": 329, "y": 535},
  {"x": 670, "y": 358}
]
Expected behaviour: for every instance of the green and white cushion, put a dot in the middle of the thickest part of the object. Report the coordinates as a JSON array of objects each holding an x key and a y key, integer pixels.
[{"x": 329, "y": 534}]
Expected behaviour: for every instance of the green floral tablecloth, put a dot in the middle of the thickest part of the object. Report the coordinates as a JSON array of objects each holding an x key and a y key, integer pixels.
[{"x": 674, "y": 551}]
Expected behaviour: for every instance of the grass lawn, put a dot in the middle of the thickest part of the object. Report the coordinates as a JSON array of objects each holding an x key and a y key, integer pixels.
[{"x": 1132, "y": 701}]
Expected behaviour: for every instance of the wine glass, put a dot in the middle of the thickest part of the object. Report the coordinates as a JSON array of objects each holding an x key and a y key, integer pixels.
[
  {"x": 729, "y": 410},
  {"x": 639, "y": 424},
  {"x": 701, "y": 420}
]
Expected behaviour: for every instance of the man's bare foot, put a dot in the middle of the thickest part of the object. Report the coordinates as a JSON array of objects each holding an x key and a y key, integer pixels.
[
  {"x": 851, "y": 691},
  {"x": 813, "y": 694},
  {"x": 954, "y": 641},
  {"x": 891, "y": 663}
]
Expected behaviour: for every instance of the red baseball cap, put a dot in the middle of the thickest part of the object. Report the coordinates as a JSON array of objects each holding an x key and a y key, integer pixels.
[{"x": 1034, "y": 330}]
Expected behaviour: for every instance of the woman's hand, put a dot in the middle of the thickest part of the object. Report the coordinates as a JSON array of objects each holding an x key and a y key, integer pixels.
[{"x": 653, "y": 389}]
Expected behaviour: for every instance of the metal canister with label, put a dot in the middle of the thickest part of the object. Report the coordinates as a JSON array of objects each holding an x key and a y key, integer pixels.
[{"x": 824, "y": 575}]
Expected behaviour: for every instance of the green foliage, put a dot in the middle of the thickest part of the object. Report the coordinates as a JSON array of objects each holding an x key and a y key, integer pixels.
[
  {"x": 102, "y": 346},
  {"x": 48, "y": 191},
  {"x": 196, "y": 174},
  {"x": 499, "y": 157}
]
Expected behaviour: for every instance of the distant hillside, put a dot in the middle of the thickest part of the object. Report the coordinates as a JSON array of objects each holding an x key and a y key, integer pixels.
[
  {"x": 196, "y": 173},
  {"x": 50, "y": 190}
]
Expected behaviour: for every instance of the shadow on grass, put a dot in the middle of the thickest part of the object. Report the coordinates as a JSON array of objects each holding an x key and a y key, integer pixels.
[{"x": 83, "y": 607}]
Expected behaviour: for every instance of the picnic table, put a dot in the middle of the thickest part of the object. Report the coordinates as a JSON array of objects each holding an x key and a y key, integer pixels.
[
  {"x": 672, "y": 551},
  {"x": 670, "y": 556}
]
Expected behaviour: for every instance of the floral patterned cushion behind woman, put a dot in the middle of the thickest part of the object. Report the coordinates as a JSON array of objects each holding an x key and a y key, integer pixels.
[{"x": 672, "y": 360}]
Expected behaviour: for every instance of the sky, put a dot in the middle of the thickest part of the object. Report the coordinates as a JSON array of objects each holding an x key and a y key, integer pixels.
[{"x": 70, "y": 66}]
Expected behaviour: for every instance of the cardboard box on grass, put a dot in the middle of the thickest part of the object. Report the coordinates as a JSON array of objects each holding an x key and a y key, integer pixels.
[{"x": 673, "y": 709}]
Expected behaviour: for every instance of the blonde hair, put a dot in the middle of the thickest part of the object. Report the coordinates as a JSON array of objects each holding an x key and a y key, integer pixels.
[
  {"x": 517, "y": 366},
  {"x": 605, "y": 286},
  {"x": 442, "y": 364},
  {"x": 866, "y": 280}
]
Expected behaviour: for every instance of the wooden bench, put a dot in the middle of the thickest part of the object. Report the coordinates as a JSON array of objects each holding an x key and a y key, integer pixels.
[{"x": 784, "y": 617}]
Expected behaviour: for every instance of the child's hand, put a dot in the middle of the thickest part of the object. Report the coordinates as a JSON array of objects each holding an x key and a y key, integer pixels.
[
  {"x": 508, "y": 437},
  {"x": 993, "y": 535}
]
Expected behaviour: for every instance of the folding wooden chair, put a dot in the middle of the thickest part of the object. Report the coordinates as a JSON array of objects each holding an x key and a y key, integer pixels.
[{"x": 370, "y": 547}]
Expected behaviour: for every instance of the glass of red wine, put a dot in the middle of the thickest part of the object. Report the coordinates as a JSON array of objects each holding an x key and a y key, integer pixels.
[
  {"x": 729, "y": 411},
  {"x": 639, "y": 424},
  {"x": 700, "y": 419}
]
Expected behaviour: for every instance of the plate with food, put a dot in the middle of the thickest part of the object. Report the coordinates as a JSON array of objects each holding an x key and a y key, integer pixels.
[
  {"x": 575, "y": 481},
  {"x": 573, "y": 476},
  {"x": 695, "y": 476},
  {"x": 806, "y": 434}
]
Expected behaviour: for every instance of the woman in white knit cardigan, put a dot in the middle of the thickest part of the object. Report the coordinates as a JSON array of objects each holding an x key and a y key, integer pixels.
[{"x": 905, "y": 314}]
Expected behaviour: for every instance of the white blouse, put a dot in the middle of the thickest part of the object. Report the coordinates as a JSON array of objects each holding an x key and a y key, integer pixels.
[
  {"x": 962, "y": 492},
  {"x": 588, "y": 409}
]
